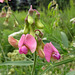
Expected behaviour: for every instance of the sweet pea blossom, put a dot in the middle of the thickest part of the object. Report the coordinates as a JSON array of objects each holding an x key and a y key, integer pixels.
[
  {"x": 27, "y": 42},
  {"x": 51, "y": 51}
]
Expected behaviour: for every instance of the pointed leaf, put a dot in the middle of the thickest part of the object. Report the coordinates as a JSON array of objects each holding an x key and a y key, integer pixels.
[
  {"x": 71, "y": 73},
  {"x": 49, "y": 5},
  {"x": 17, "y": 63},
  {"x": 64, "y": 39}
]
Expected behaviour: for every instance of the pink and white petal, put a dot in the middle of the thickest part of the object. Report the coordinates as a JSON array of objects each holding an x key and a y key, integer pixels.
[
  {"x": 21, "y": 41},
  {"x": 24, "y": 49},
  {"x": 54, "y": 49},
  {"x": 30, "y": 42},
  {"x": 56, "y": 56},
  {"x": 1, "y": 1},
  {"x": 48, "y": 51}
]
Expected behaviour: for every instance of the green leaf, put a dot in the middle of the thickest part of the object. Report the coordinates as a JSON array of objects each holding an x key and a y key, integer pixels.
[
  {"x": 17, "y": 63},
  {"x": 49, "y": 5},
  {"x": 64, "y": 39},
  {"x": 71, "y": 73},
  {"x": 58, "y": 64}
]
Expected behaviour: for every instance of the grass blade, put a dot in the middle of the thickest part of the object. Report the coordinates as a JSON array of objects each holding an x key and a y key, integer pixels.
[{"x": 17, "y": 63}]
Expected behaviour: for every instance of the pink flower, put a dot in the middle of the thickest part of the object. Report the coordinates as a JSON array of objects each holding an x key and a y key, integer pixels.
[
  {"x": 27, "y": 42},
  {"x": 3, "y": 1},
  {"x": 51, "y": 51}
]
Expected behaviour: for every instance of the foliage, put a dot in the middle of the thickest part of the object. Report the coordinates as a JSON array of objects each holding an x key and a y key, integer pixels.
[{"x": 58, "y": 29}]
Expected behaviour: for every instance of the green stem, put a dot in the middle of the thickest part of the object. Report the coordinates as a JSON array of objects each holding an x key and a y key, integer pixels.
[{"x": 33, "y": 70}]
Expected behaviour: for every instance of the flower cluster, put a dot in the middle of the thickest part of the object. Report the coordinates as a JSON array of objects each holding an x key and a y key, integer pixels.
[{"x": 32, "y": 41}]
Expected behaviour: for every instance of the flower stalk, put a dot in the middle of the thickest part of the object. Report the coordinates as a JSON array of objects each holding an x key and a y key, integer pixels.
[{"x": 33, "y": 70}]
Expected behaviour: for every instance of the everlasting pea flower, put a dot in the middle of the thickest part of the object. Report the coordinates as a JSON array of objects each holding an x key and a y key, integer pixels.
[
  {"x": 27, "y": 42},
  {"x": 51, "y": 51}
]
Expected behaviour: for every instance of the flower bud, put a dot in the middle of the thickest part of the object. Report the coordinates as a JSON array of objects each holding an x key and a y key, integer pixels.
[
  {"x": 41, "y": 53},
  {"x": 31, "y": 10},
  {"x": 13, "y": 41},
  {"x": 30, "y": 19},
  {"x": 6, "y": 22},
  {"x": 39, "y": 24},
  {"x": 2, "y": 14},
  {"x": 8, "y": 13},
  {"x": 26, "y": 29},
  {"x": 37, "y": 14}
]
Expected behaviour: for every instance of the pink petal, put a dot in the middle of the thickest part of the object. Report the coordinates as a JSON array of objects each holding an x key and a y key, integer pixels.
[
  {"x": 48, "y": 51},
  {"x": 1, "y": 1},
  {"x": 20, "y": 51},
  {"x": 54, "y": 49},
  {"x": 30, "y": 42},
  {"x": 23, "y": 49},
  {"x": 21, "y": 41},
  {"x": 56, "y": 56}
]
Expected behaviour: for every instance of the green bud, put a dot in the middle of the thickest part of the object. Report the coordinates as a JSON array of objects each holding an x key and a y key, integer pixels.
[
  {"x": 8, "y": 13},
  {"x": 30, "y": 19},
  {"x": 39, "y": 24},
  {"x": 32, "y": 31},
  {"x": 6, "y": 22},
  {"x": 26, "y": 29}
]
